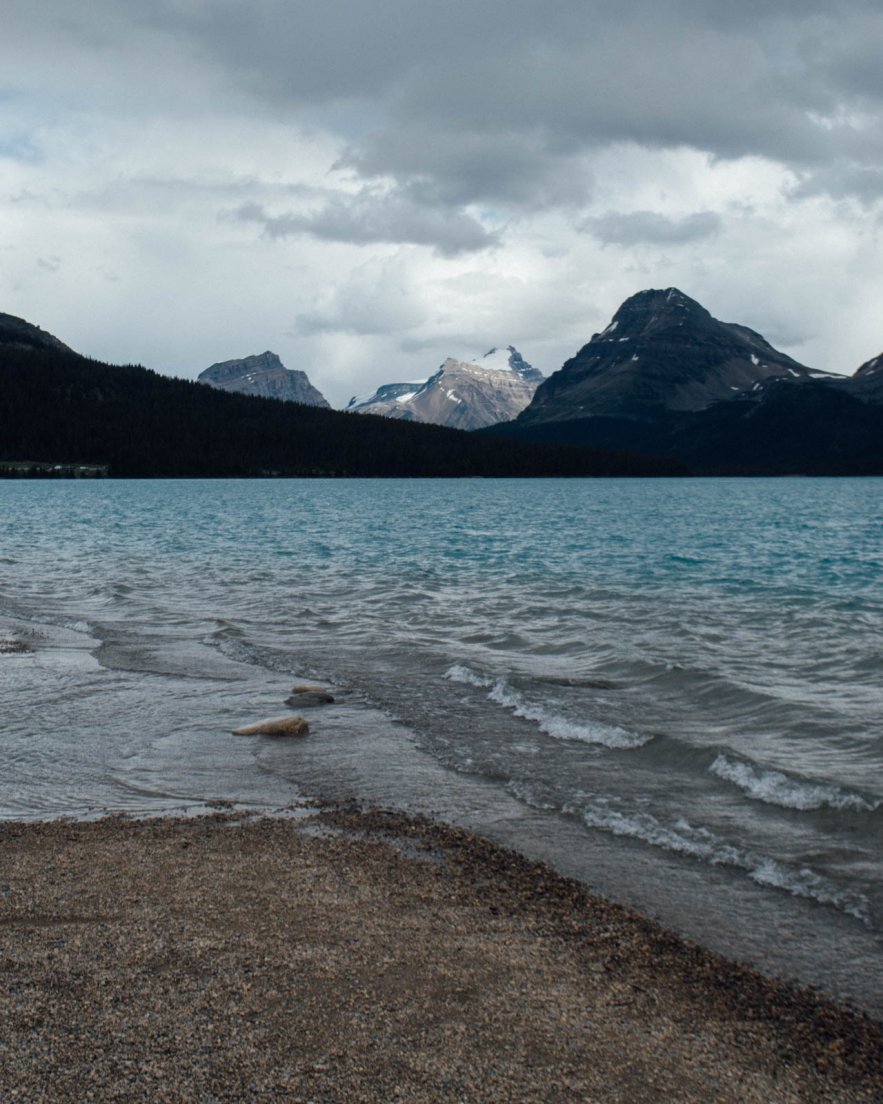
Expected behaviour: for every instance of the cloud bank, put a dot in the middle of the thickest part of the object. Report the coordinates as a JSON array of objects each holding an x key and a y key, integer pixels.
[{"x": 201, "y": 179}]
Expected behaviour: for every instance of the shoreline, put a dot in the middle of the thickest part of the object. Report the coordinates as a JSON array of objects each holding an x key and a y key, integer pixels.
[{"x": 345, "y": 954}]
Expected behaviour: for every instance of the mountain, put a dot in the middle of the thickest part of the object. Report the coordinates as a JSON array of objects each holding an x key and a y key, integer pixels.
[
  {"x": 867, "y": 383},
  {"x": 19, "y": 334},
  {"x": 60, "y": 408},
  {"x": 264, "y": 375},
  {"x": 661, "y": 351},
  {"x": 667, "y": 379},
  {"x": 463, "y": 394}
]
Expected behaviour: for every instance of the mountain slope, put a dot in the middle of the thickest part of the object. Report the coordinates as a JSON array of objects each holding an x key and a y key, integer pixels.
[
  {"x": 715, "y": 396},
  {"x": 264, "y": 375},
  {"x": 867, "y": 383},
  {"x": 461, "y": 394},
  {"x": 661, "y": 351},
  {"x": 57, "y": 406},
  {"x": 17, "y": 333}
]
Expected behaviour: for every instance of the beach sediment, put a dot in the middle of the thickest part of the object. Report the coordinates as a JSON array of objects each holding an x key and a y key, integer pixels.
[{"x": 359, "y": 955}]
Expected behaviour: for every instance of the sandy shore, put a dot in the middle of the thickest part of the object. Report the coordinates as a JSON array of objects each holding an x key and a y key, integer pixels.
[{"x": 368, "y": 957}]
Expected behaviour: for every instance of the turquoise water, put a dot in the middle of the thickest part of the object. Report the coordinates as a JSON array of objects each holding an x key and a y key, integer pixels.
[{"x": 671, "y": 689}]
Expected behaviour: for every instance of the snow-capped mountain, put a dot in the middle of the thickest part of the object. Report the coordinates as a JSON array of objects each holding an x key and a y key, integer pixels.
[
  {"x": 463, "y": 394},
  {"x": 266, "y": 376}
]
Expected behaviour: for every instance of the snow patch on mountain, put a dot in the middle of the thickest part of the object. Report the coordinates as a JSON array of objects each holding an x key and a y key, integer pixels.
[
  {"x": 497, "y": 359},
  {"x": 463, "y": 394}
]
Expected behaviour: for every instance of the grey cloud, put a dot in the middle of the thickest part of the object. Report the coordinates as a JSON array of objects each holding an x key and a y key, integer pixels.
[
  {"x": 372, "y": 216},
  {"x": 842, "y": 180},
  {"x": 376, "y": 298},
  {"x": 501, "y": 101},
  {"x": 457, "y": 167},
  {"x": 519, "y": 124},
  {"x": 846, "y": 53},
  {"x": 635, "y": 227}
]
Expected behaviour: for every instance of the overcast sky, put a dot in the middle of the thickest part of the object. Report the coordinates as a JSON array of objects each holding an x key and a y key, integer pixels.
[{"x": 368, "y": 187}]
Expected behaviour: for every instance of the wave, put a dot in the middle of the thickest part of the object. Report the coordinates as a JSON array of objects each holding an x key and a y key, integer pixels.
[
  {"x": 466, "y": 676},
  {"x": 777, "y": 788},
  {"x": 699, "y": 843},
  {"x": 547, "y": 720}
]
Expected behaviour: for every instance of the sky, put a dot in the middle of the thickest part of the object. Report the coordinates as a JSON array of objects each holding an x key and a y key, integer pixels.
[{"x": 369, "y": 188}]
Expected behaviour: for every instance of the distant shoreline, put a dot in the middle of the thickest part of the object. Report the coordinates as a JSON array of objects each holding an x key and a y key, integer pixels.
[{"x": 372, "y": 956}]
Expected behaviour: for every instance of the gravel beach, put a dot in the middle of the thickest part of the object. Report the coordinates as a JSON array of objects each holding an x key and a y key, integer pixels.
[{"x": 355, "y": 955}]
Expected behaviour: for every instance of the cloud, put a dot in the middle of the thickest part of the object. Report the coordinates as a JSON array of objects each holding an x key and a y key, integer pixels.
[
  {"x": 637, "y": 227},
  {"x": 373, "y": 216},
  {"x": 378, "y": 297},
  {"x": 499, "y": 101},
  {"x": 512, "y": 169},
  {"x": 842, "y": 180},
  {"x": 410, "y": 180}
]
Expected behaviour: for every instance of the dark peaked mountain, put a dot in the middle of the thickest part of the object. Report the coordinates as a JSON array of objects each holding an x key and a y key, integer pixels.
[
  {"x": 264, "y": 375},
  {"x": 667, "y": 379},
  {"x": 463, "y": 394},
  {"x": 662, "y": 351}
]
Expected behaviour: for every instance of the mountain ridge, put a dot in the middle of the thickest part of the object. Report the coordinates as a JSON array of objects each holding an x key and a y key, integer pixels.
[
  {"x": 743, "y": 407},
  {"x": 17, "y": 332},
  {"x": 461, "y": 394},
  {"x": 60, "y": 408},
  {"x": 264, "y": 375},
  {"x": 662, "y": 349}
]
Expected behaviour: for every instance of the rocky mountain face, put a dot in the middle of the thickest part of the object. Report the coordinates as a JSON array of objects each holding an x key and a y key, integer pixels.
[
  {"x": 461, "y": 394},
  {"x": 661, "y": 351},
  {"x": 266, "y": 376},
  {"x": 867, "y": 383},
  {"x": 23, "y": 335},
  {"x": 666, "y": 379}
]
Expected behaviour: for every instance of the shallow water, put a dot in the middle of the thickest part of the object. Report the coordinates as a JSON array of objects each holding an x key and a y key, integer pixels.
[{"x": 671, "y": 689}]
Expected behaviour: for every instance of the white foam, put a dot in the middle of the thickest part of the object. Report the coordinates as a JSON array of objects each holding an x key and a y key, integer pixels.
[
  {"x": 700, "y": 843},
  {"x": 775, "y": 788},
  {"x": 553, "y": 724},
  {"x": 560, "y": 728},
  {"x": 461, "y": 673}
]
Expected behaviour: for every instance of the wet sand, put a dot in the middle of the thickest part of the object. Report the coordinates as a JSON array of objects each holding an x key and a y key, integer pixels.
[{"x": 357, "y": 956}]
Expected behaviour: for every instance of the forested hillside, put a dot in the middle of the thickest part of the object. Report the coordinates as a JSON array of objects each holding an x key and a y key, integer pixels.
[{"x": 56, "y": 406}]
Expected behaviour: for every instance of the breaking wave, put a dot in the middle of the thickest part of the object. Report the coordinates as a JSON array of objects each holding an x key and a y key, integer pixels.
[
  {"x": 547, "y": 720},
  {"x": 777, "y": 788},
  {"x": 699, "y": 843}
]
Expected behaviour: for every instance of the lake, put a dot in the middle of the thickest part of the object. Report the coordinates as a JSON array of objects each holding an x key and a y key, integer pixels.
[{"x": 670, "y": 689}]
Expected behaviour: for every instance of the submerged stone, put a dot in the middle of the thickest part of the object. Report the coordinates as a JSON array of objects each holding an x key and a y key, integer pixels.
[{"x": 303, "y": 699}]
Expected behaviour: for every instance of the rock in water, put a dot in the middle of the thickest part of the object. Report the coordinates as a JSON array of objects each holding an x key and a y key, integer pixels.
[
  {"x": 303, "y": 699},
  {"x": 275, "y": 726}
]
